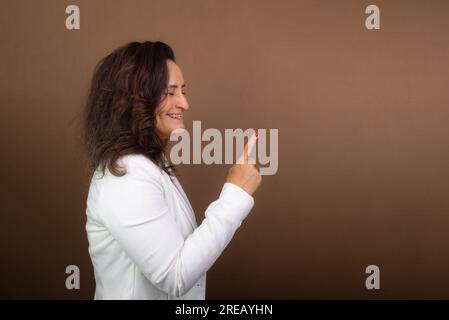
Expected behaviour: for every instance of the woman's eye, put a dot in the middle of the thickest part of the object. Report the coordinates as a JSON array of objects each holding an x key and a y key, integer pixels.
[{"x": 172, "y": 93}]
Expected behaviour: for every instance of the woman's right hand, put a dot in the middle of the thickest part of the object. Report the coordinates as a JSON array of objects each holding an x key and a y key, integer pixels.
[{"x": 245, "y": 175}]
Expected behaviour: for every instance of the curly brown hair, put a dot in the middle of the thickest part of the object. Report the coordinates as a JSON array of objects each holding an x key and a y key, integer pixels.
[{"x": 119, "y": 115}]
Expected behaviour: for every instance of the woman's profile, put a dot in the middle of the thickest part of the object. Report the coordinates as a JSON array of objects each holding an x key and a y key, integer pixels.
[{"x": 144, "y": 240}]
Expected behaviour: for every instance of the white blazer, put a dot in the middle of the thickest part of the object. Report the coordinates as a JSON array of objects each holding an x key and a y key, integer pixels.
[{"x": 144, "y": 241}]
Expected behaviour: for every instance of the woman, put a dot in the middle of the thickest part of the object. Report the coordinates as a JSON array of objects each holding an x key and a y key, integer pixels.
[{"x": 144, "y": 241}]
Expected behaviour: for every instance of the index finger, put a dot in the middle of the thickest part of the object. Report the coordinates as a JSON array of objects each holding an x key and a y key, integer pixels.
[{"x": 245, "y": 158}]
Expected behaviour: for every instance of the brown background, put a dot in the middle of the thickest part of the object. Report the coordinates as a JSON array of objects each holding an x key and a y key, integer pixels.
[{"x": 363, "y": 152}]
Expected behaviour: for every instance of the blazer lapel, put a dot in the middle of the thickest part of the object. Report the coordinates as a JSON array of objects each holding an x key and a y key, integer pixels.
[
  {"x": 183, "y": 201},
  {"x": 182, "y": 197}
]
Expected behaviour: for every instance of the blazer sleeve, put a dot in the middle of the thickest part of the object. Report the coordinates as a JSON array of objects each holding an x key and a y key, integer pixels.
[{"x": 136, "y": 214}]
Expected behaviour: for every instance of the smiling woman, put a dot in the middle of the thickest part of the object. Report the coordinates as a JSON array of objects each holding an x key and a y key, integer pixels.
[
  {"x": 144, "y": 240},
  {"x": 170, "y": 113},
  {"x": 127, "y": 87}
]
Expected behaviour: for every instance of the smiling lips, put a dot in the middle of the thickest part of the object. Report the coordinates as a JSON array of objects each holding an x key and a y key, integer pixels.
[{"x": 177, "y": 116}]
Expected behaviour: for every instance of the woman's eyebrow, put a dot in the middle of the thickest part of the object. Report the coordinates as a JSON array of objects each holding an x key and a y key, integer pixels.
[{"x": 175, "y": 86}]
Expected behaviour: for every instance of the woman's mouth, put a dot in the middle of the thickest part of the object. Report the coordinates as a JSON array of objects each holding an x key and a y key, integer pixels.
[{"x": 177, "y": 116}]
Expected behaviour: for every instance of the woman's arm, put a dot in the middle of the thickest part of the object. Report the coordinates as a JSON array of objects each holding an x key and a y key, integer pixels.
[{"x": 135, "y": 212}]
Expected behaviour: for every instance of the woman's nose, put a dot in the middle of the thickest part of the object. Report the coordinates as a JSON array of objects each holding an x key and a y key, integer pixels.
[{"x": 182, "y": 103}]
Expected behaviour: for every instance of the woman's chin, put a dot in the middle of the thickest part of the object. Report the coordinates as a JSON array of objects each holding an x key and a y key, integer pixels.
[{"x": 178, "y": 126}]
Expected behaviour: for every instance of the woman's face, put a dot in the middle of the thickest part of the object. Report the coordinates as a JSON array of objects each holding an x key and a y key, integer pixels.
[{"x": 170, "y": 113}]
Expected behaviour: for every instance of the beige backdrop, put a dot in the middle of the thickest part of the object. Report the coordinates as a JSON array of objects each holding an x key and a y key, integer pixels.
[{"x": 363, "y": 139}]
